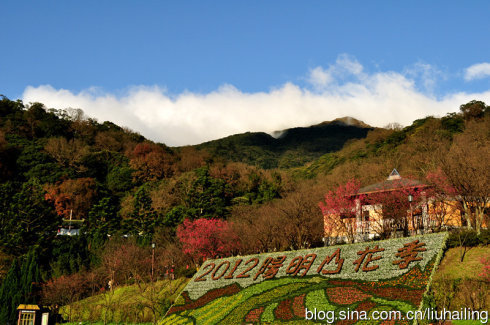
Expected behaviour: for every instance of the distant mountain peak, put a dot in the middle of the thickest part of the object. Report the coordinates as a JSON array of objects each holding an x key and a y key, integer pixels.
[
  {"x": 347, "y": 120},
  {"x": 343, "y": 121}
]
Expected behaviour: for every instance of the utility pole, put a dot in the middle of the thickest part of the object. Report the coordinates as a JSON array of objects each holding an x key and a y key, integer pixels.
[
  {"x": 152, "y": 293},
  {"x": 410, "y": 200},
  {"x": 152, "y": 259}
]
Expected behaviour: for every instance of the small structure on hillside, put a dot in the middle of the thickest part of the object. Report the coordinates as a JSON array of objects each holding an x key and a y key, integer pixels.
[
  {"x": 33, "y": 315},
  {"x": 70, "y": 227}
]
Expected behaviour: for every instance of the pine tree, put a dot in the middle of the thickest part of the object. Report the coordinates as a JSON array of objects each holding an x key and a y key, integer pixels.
[
  {"x": 19, "y": 287},
  {"x": 26, "y": 219},
  {"x": 10, "y": 296}
]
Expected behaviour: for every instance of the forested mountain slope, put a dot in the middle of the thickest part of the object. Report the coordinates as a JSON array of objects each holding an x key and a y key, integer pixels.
[{"x": 289, "y": 148}]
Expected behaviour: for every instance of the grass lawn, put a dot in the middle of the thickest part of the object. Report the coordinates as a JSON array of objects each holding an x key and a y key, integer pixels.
[
  {"x": 126, "y": 304},
  {"x": 102, "y": 323},
  {"x": 452, "y": 268}
]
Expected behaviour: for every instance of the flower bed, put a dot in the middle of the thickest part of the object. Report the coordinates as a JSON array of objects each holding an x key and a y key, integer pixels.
[{"x": 384, "y": 275}]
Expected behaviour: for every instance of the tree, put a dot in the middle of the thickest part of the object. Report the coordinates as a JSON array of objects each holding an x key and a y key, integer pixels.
[
  {"x": 41, "y": 122},
  {"x": 442, "y": 199},
  {"x": 293, "y": 222},
  {"x": 151, "y": 162},
  {"x": 109, "y": 140},
  {"x": 10, "y": 295},
  {"x": 20, "y": 286},
  {"x": 68, "y": 255},
  {"x": 124, "y": 261},
  {"x": 191, "y": 158},
  {"x": 8, "y": 156},
  {"x": 143, "y": 219},
  {"x": 103, "y": 218},
  {"x": 340, "y": 209},
  {"x": 72, "y": 197},
  {"x": 68, "y": 153},
  {"x": 207, "y": 196},
  {"x": 26, "y": 219},
  {"x": 260, "y": 189},
  {"x": 473, "y": 110},
  {"x": 64, "y": 291},
  {"x": 207, "y": 238},
  {"x": 259, "y": 229},
  {"x": 301, "y": 217},
  {"x": 119, "y": 179},
  {"x": 466, "y": 168},
  {"x": 485, "y": 274}
]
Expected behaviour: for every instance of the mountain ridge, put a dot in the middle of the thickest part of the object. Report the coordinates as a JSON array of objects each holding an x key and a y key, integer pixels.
[{"x": 290, "y": 147}]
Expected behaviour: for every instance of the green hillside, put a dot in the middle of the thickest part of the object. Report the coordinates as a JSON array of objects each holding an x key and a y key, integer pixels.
[{"x": 291, "y": 148}]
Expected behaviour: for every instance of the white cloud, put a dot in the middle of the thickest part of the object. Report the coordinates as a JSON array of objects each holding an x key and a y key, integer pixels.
[
  {"x": 320, "y": 77},
  {"x": 345, "y": 67},
  {"x": 425, "y": 75},
  {"x": 349, "y": 64},
  {"x": 477, "y": 71},
  {"x": 342, "y": 89}
]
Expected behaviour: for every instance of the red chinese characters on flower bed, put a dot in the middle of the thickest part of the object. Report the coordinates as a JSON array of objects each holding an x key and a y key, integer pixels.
[
  {"x": 338, "y": 261},
  {"x": 408, "y": 253},
  {"x": 301, "y": 265},
  {"x": 270, "y": 267},
  {"x": 367, "y": 257}
]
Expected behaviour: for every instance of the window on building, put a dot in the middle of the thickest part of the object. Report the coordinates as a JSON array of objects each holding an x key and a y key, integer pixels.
[
  {"x": 365, "y": 215},
  {"x": 346, "y": 216},
  {"x": 464, "y": 222},
  {"x": 419, "y": 221},
  {"x": 26, "y": 318}
]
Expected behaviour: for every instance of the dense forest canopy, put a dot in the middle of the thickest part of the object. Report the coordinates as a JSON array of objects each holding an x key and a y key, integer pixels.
[{"x": 131, "y": 192}]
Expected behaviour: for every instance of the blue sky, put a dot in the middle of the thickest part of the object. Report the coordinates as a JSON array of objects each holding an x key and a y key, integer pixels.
[{"x": 170, "y": 69}]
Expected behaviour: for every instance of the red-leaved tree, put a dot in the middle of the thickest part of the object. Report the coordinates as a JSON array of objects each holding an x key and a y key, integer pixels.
[
  {"x": 75, "y": 195},
  {"x": 485, "y": 274},
  {"x": 395, "y": 209},
  {"x": 65, "y": 290},
  {"x": 339, "y": 210},
  {"x": 207, "y": 238}
]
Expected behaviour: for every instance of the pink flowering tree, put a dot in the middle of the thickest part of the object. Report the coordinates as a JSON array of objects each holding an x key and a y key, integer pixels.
[
  {"x": 207, "y": 238},
  {"x": 485, "y": 274},
  {"x": 339, "y": 210}
]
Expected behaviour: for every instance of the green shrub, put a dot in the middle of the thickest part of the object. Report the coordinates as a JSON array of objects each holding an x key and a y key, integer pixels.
[
  {"x": 463, "y": 237},
  {"x": 183, "y": 272},
  {"x": 484, "y": 237}
]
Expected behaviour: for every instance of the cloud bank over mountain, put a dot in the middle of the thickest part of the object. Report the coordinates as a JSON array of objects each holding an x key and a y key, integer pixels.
[{"x": 341, "y": 89}]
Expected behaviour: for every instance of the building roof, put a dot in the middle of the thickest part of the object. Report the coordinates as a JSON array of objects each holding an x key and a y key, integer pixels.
[
  {"x": 393, "y": 182},
  {"x": 28, "y": 307}
]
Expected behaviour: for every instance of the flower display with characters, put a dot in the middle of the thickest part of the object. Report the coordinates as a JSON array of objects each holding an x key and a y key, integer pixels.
[{"x": 392, "y": 274}]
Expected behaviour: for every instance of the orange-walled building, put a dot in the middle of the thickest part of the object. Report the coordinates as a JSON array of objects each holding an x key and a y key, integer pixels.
[{"x": 428, "y": 214}]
